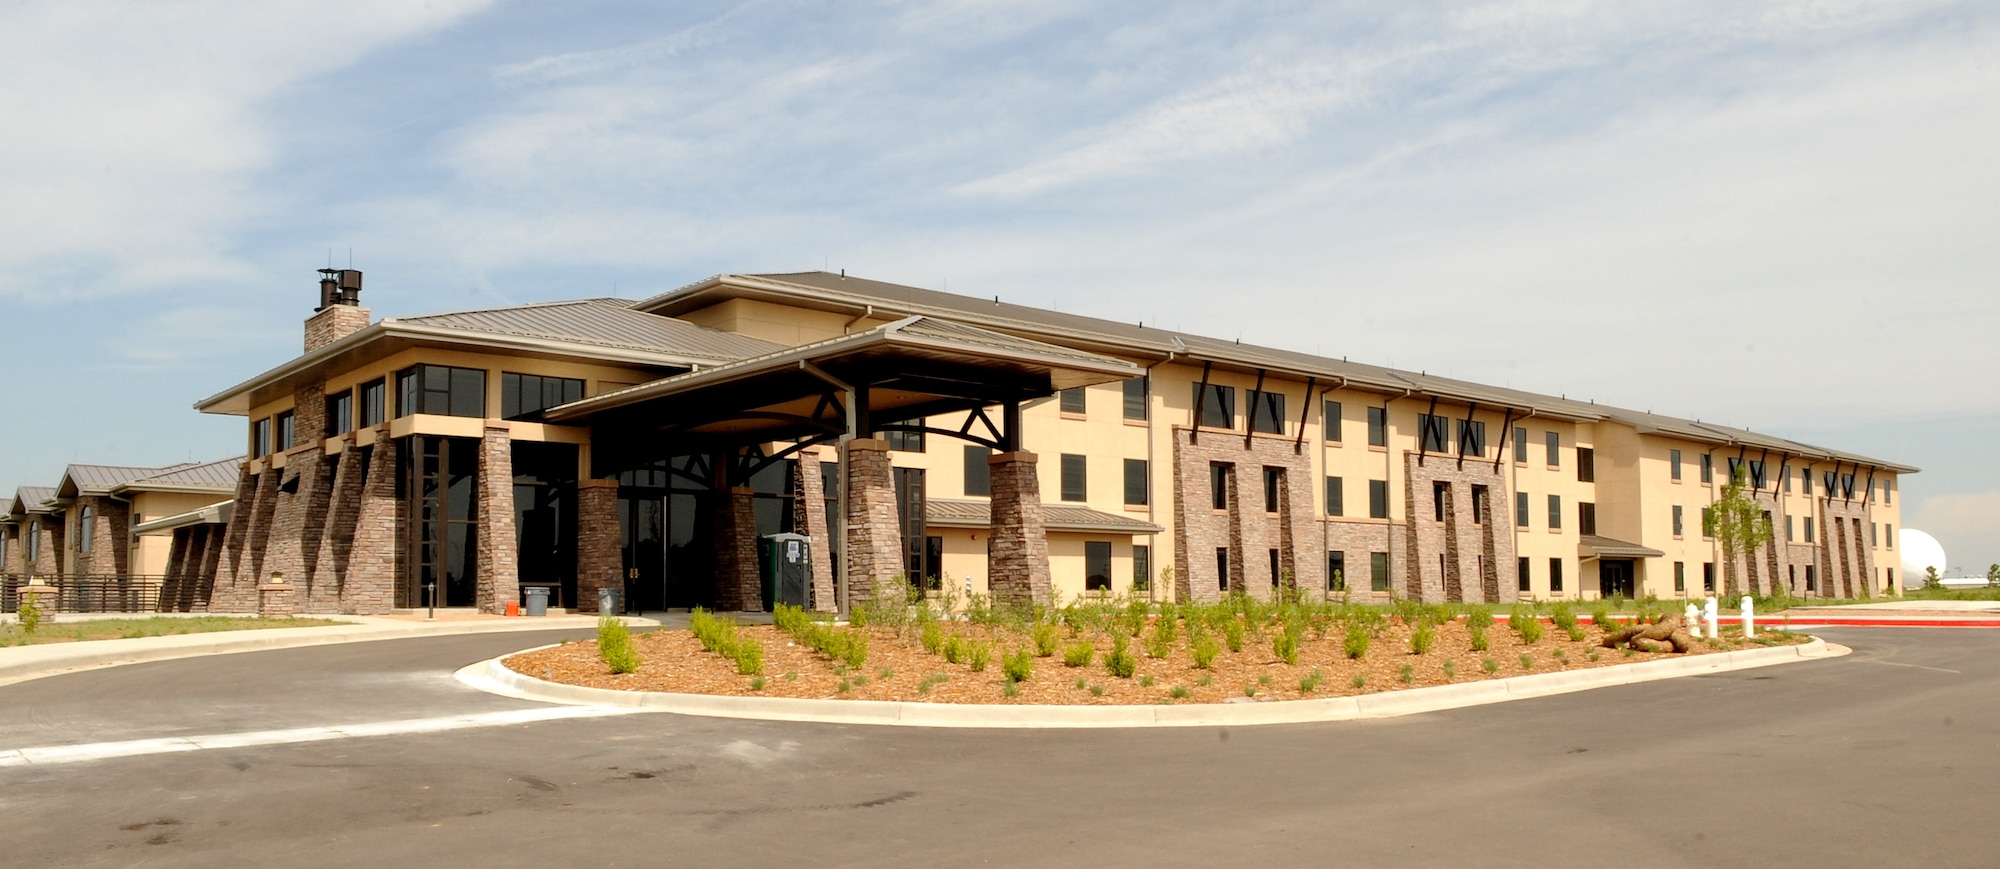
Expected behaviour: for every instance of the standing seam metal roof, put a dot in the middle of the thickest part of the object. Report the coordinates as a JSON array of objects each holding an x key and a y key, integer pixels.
[
  {"x": 603, "y": 322},
  {"x": 220, "y": 476}
]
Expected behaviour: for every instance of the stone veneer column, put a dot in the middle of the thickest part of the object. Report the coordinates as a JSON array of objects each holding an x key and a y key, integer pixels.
[
  {"x": 599, "y": 551},
  {"x": 343, "y": 505},
  {"x": 1018, "y": 551},
  {"x": 737, "y": 585},
  {"x": 497, "y": 573},
  {"x": 874, "y": 534},
  {"x": 368, "y": 585},
  {"x": 810, "y": 514}
]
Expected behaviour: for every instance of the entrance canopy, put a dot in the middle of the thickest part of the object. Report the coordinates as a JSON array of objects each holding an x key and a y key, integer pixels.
[
  {"x": 854, "y": 384},
  {"x": 1593, "y": 546}
]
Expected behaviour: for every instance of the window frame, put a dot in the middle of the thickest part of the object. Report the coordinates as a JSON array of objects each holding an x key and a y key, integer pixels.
[
  {"x": 367, "y": 413},
  {"x": 340, "y": 413},
  {"x": 514, "y": 386},
  {"x": 284, "y": 430},
  {"x": 1074, "y": 400},
  {"x": 1586, "y": 465},
  {"x": 1336, "y": 496},
  {"x": 1674, "y": 465},
  {"x": 1378, "y": 426},
  {"x": 1267, "y": 411},
  {"x": 1378, "y": 499},
  {"x": 1224, "y": 406},
  {"x": 1330, "y": 421},
  {"x": 1137, "y": 472},
  {"x": 1075, "y": 470},
  {"x": 1555, "y": 512},
  {"x": 1552, "y": 442},
  {"x": 1137, "y": 392},
  {"x": 978, "y": 474}
]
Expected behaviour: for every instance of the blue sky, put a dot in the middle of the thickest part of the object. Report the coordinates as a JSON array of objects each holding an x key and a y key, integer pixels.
[{"x": 1777, "y": 215}]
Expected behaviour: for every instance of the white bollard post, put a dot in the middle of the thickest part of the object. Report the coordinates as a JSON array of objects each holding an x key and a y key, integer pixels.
[
  {"x": 1691, "y": 619},
  {"x": 1708, "y": 616},
  {"x": 1749, "y": 617}
]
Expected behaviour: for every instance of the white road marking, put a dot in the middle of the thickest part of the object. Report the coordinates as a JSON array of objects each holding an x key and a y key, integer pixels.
[{"x": 57, "y": 754}]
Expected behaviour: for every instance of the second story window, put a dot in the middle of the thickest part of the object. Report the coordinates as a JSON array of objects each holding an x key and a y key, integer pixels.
[
  {"x": 1073, "y": 400},
  {"x": 373, "y": 405},
  {"x": 524, "y": 394},
  {"x": 287, "y": 430},
  {"x": 1378, "y": 426},
  {"x": 1471, "y": 437},
  {"x": 1267, "y": 412},
  {"x": 1216, "y": 405},
  {"x": 1135, "y": 398},
  {"x": 1586, "y": 465},
  {"x": 340, "y": 413},
  {"x": 260, "y": 438},
  {"x": 441, "y": 390}
]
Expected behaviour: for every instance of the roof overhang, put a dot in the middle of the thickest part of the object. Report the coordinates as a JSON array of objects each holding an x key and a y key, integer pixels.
[
  {"x": 213, "y": 514},
  {"x": 912, "y": 368},
  {"x": 1594, "y": 546},
  {"x": 391, "y": 336},
  {"x": 1076, "y": 519}
]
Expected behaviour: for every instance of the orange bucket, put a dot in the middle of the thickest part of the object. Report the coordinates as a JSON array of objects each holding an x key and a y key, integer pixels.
[{"x": 513, "y": 608}]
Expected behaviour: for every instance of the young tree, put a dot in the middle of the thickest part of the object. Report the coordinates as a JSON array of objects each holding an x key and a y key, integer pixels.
[
  {"x": 1993, "y": 574},
  {"x": 1737, "y": 522}
]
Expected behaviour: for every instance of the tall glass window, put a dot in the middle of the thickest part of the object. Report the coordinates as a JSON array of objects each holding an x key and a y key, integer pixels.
[{"x": 441, "y": 390}]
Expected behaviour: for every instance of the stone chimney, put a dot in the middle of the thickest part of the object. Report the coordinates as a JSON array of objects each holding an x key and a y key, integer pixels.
[{"x": 339, "y": 313}]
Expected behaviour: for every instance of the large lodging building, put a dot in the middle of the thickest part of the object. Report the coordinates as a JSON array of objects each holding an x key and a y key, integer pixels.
[
  {"x": 947, "y": 441},
  {"x": 102, "y": 533}
]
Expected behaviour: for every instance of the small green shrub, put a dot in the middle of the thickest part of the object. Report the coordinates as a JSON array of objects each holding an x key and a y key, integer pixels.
[
  {"x": 1423, "y": 638},
  {"x": 1562, "y": 615},
  {"x": 932, "y": 638},
  {"x": 977, "y": 654},
  {"x": 1479, "y": 641},
  {"x": 1121, "y": 662},
  {"x": 1360, "y": 680},
  {"x": 29, "y": 612},
  {"x": 1406, "y": 674},
  {"x": 1601, "y": 617},
  {"x": 1204, "y": 648},
  {"x": 1285, "y": 647},
  {"x": 1179, "y": 692},
  {"x": 1489, "y": 665},
  {"x": 1010, "y": 689},
  {"x": 1249, "y": 690},
  {"x": 1450, "y": 671},
  {"x": 1079, "y": 654},
  {"x": 1576, "y": 634},
  {"x": 1096, "y": 690},
  {"x": 844, "y": 686},
  {"x": 1146, "y": 681},
  {"x": 757, "y": 684},
  {"x": 1530, "y": 629},
  {"x": 1232, "y": 634},
  {"x": 1527, "y": 661},
  {"x": 1356, "y": 641},
  {"x": 1167, "y": 626},
  {"x": 1310, "y": 681},
  {"x": 1082, "y": 683},
  {"x": 1159, "y": 645},
  {"x": 749, "y": 656},
  {"x": 614, "y": 646},
  {"x": 954, "y": 649},
  {"x": 1046, "y": 637}
]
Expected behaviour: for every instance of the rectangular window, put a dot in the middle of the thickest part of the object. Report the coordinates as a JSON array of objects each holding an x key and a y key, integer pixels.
[
  {"x": 524, "y": 394},
  {"x": 374, "y": 408},
  {"x": 1073, "y": 482},
  {"x": 1378, "y": 426},
  {"x": 1073, "y": 402},
  {"x": 1378, "y": 499},
  {"x": 1555, "y": 575},
  {"x": 1889, "y": 573},
  {"x": 441, "y": 390},
  {"x": 1217, "y": 405},
  {"x": 1756, "y": 473},
  {"x": 1267, "y": 412},
  {"x": 1788, "y": 482},
  {"x": 1707, "y": 468},
  {"x": 1679, "y": 524},
  {"x": 1553, "y": 441},
  {"x": 339, "y": 413},
  {"x": 1888, "y": 492},
  {"x": 1478, "y": 505},
  {"x": 1520, "y": 445},
  {"x": 1329, "y": 423},
  {"x": 1830, "y": 479},
  {"x": 1135, "y": 482},
  {"x": 1097, "y": 565},
  {"x": 1440, "y": 495},
  {"x": 1520, "y": 509},
  {"x": 1142, "y": 567},
  {"x": 1586, "y": 517},
  {"x": 1274, "y": 482},
  {"x": 1847, "y": 486},
  {"x": 1277, "y": 572},
  {"x": 1788, "y": 529},
  {"x": 1812, "y": 579},
  {"x": 1336, "y": 497},
  {"x": 1680, "y": 577},
  {"x": 1555, "y": 512},
  {"x": 1708, "y": 576},
  {"x": 1523, "y": 578},
  {"x": 1378, "y": 571},
  {"x": 903, "y": 441},
  {"x": 1586, "y": 465},
  {"x": 1674, "y": 465},
  {"x": 260, "y": 438},
  {"x": 1135, "y": 398},
  {"x": 1872, "y": 539},
  {"x": 1471, "y": 437},
  {"x": 1805, "y": 481},
  {"x": 1218, "y": 485},
  {"x": 86, "y": 528},
  {"x": 1707, "y": 522},
  {"x": 1734, "y": 465},
  {"x": 287, "y": 430},
  {"x": 1222, "y": 567},
  {"x": 1336, "y": 571},
  {"x": 1809, "y": 529},
  {"x": 1434, "y": 433},
  {"x": 1888, "y": 536},
  {"x": 978, "y": 474}
]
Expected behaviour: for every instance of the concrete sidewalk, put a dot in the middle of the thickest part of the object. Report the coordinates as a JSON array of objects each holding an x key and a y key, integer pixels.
[
  {"x": 21, "y": 663},
  {"x": 1892, "y": 613}
]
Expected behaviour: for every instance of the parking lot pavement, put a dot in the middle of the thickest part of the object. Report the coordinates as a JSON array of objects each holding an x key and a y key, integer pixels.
[{"x": 1882, "y": 757}]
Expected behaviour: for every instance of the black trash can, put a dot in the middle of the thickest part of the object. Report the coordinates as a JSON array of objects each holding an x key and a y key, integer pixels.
[{"x": 535, "y": 598}]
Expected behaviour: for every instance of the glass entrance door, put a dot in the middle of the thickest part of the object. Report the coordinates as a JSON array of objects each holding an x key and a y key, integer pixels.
[
  {"x": 643, "y": 519},
  {"x": 1614, "y": 578}
]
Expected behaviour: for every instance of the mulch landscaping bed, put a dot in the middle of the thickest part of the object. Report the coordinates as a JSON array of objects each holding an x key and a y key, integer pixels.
[{"x": 897, "y": 666}]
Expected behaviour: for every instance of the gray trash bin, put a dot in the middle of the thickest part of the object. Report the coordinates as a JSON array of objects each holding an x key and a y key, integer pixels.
[
  {"x": 536, "y": 599},
  {"x": 608, "y": 602}
]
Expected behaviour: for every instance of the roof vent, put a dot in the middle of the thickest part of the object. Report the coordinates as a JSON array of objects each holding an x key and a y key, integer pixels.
[{"x": 339, "y": 287}]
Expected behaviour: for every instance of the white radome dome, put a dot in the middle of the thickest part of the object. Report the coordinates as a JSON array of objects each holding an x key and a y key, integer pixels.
[{"x": 1920, "y": 550}]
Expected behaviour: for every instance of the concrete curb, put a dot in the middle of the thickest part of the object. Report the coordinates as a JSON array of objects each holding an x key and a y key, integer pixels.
[
  {"x": 22, "y": 663},
  {"x": 493, "y": 676}
]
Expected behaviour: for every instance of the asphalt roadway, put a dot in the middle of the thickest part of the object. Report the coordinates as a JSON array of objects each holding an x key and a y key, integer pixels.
[{"x": 1890, "y": 756}]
